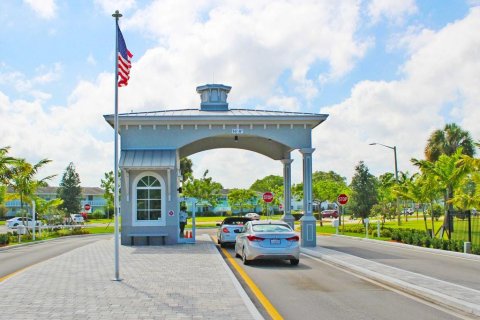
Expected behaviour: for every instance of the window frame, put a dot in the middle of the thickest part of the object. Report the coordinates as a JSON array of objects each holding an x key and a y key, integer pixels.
[{"x": 162, "y": 220}]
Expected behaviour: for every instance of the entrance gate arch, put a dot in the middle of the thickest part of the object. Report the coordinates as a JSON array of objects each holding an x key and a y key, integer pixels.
[{"x": 156, "y": 141}]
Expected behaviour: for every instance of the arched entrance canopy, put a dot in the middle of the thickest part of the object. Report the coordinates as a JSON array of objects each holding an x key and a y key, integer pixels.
[{"x": 187, "y": 131}]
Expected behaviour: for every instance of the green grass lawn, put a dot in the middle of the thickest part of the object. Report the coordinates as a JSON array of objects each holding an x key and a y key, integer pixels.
[
  {"x": 104, "y": 221},
  {"x": 2, "y": 223}
]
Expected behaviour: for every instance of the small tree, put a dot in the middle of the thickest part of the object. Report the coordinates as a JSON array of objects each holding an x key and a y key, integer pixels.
[
  {"x": 205, "y": 190},
  {"x": 108, "y": 185},
  {"x": 364, "y": 188},
  {"x": 70, "y": 191},
  {"x": 241, "y": 198}
]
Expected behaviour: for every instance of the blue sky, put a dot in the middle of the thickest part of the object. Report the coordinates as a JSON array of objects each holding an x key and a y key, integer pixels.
[{"x": 386, "y": 71}]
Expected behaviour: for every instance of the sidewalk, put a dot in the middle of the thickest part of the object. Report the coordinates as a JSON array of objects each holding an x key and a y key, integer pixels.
[
  {"x": 441, "y": 292},
  {"x": 159, "y": 282}
]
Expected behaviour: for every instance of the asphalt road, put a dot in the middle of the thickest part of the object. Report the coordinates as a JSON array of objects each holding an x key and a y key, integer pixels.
[
  {"x": 463, "y": 271},
  {"x": 316, "y": 290},
  {"x": 17, "y": 258}
]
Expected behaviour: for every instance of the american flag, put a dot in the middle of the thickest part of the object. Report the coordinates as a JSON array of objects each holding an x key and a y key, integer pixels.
[{"x": 124, "y": 57}]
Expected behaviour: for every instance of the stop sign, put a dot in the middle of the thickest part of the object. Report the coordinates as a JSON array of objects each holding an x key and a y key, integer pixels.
[
  {"x": 268, "y": 197},
  {"x": 342, "y": 199},
  {"x": 87, "y": 207}
]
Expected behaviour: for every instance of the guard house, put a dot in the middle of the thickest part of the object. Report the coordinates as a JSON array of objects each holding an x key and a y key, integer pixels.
[{"x": 152, "y": 144}]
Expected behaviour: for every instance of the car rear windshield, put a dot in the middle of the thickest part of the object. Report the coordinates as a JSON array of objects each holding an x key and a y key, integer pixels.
[
  {"x": 236, "y": 221},
  {"x": 271, "y": 228}
]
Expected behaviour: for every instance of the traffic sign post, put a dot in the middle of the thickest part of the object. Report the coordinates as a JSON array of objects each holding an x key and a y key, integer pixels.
[
  {"x": 267, "y": 198},
  {"x": 342, "y": 199}
]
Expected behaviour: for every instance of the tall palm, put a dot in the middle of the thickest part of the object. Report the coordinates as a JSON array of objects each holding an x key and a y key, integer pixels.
[
  {"x": 5, "y": 162},
  {"x": 447, "y": 141},
  {"x": 23, "y": 181},
  {"x": 448, "y": 174}
]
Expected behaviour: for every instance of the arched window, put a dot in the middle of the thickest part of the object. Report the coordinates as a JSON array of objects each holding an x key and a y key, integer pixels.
[{"x": 148, "y": 199}]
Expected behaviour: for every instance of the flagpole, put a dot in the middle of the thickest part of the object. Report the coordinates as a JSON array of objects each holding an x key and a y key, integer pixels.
[{"x": 116, "y": 15}]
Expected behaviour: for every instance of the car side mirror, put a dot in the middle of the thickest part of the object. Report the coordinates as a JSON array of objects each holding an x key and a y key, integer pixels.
[{"x": 237, "y": 231}]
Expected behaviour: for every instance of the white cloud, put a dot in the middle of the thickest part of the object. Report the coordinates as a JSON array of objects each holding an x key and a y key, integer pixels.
[
  {"x": 46, "y": 9},
  {"x": 21, "y": 83},
  {"x": 439, "y": 85},
  {"x": 248, "y": 45},
  {"x": 393, "y": 10}
]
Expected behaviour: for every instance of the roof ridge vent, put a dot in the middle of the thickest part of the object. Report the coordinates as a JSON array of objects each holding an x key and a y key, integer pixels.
[{"x": 214, "y": 97}]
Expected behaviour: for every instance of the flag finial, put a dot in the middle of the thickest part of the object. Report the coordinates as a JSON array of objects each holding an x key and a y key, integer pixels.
[{"x": 117, "y": 15}]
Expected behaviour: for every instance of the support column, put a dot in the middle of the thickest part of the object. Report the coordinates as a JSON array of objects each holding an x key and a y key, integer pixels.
[
  {"x": 287, "y": 192},
  {"x": 308, "y": 221}
]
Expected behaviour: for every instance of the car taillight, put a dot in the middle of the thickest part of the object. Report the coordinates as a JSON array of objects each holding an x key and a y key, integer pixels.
[
  {"x": 225, "y": 230},
  {"x": 254, "y": 238},
  {"x": 294, "y": 238}
]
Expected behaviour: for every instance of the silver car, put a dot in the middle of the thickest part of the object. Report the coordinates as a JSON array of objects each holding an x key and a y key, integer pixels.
[
  {"x": 267, "y": 240},
  {"x": 229, "y": 229}
]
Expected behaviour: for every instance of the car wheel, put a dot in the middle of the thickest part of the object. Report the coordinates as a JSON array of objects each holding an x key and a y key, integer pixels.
[
  {"x": 244, "y": 258},
  {"x": 294, "y": 262},
  {"x": 222, "y": 244},
  {"x": 237, "y": 255}
]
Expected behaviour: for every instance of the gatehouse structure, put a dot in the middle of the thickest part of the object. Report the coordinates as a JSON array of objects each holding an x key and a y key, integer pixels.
[{"x": 152, "y": 144}]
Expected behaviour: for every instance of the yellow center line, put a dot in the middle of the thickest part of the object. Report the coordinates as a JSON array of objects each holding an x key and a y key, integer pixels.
[
  {"x": 12, "y": 274},
  {"x": 272, "y": 312}
]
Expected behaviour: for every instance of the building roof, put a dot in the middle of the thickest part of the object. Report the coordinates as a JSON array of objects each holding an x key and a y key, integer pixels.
[
  {"x": 143, "y": 159},
  {"x": 231, "y": 115}
]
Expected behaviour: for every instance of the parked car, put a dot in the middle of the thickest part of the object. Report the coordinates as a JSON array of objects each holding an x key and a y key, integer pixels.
[
  {"x": 77, "y": 218},
  {"x": 329, "y": 214},
  {"x": 15, "y": 222},
  {"x": 253, "y": 216},
  {"x": 408, "y": 211},
  {"x": 267, "y": 240},
  {"x": 226, "y": 231}
]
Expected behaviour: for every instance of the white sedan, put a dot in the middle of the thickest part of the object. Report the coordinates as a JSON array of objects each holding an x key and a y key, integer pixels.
[
  {"x": 15, "y": 222},
  {"x": 228, "y": 229},
  {"x": 253, "y": 216},
  {"x": 267, "y": 240}
]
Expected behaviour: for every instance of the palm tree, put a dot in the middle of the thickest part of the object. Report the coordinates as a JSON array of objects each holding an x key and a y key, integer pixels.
[
  {"x": 448, "y": 174},
  {"x": 447, "y": 141},
  {"x": 23, "y": 180}
]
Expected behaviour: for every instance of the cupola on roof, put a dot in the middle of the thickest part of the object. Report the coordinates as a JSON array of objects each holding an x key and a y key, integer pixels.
[{"x": 214, "y": 97}]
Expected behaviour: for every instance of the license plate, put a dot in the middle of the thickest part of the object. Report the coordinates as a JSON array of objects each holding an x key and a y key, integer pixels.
[{"x": 274, "y": 241}]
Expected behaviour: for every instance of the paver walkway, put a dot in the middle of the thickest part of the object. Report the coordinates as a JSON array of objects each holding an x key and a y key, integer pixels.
[{"x": 159, "y": 282}]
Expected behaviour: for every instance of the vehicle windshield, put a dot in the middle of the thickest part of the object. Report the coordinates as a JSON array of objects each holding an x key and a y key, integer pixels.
[
  {"x": 236, "y": 221},
  {"x": 270, "y": 228}
]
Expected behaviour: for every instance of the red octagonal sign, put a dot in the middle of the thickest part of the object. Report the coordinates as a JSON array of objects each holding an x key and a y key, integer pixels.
[
  {"x": 87, "y": 207},
  {"x": 342, "y": 199},
  {"x": 268, "y": 197}
]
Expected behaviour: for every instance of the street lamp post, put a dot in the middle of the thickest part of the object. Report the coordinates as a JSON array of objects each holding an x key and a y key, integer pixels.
[{"x": 394, "y": 148}]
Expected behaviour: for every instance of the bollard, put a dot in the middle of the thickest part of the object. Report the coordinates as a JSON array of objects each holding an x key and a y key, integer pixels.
[
  {"x": 467, "y": 247},
  {"x": 378, "y": 229}
]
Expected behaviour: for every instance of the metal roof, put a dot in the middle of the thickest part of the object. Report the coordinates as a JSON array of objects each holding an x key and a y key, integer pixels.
[
  {"x": 143, "y": 159},
  {"x": 227, "y": 113}
]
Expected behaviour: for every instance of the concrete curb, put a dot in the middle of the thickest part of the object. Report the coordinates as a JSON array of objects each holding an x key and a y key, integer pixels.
[
  {"x": 412, "y": 247},
  {"x": 53, "y": 239},
  {"x": 455, "y": 303}
]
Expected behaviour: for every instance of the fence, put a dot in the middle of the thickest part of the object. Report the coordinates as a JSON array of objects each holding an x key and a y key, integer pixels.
[{"x": 466, "y": 227}]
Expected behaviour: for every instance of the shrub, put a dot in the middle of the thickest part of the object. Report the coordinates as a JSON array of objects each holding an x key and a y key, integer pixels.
[
  {"x": 445, "y": 244},
  {"x": 386, "y": 233},
  {"x": 436, "y": 243},
  {"x": 476, "y": 249},
  {"x": 416, "y": 239},
  {"x": 4, "y": 239},
  {"x": 98, "y": 214},
  {"x": 427, "y": 242},
  {"x": 396, "y": 235}
]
